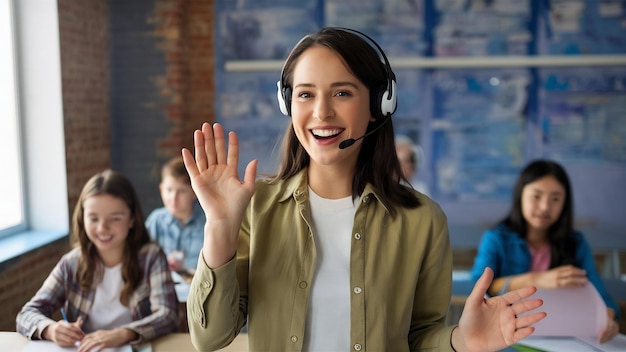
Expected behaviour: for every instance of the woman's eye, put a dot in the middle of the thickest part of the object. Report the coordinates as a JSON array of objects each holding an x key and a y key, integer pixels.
[
  {"x": 304, "y": 95},
  {"x": 343, "y": 93}
]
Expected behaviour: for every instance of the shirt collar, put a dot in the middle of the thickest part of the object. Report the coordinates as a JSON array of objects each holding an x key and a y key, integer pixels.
[
  {"x": 196, "y": 214},
  {"x": 296, "y": 187}
]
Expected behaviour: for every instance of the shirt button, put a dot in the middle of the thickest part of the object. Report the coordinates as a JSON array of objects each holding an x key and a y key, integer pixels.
[
  {"x": 294, "y": 338},
  {"x": 206, "y": 284},
  {"x": 357, "y": 236},
  {"x": 366, "y": 198},
  {"x": 302, "y": 284},
  {"x": 357, "y": 347},
  {"x": 357, "y": 290}
]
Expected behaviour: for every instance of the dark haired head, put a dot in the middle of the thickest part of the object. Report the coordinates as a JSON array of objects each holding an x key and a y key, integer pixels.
[
  {"x": 114, "y": 184},
  {"x": 377, "y": 150},
  {"x": 382, "y": 94},
  {"x": 560, "y": 234}
]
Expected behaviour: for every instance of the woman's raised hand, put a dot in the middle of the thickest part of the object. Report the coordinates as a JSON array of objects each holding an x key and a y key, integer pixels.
[{"x": 222, "y": 195}]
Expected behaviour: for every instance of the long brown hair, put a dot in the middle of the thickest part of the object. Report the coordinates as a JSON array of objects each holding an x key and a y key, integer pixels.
[
  {"x": 377, "y": 162},
  {"x": 561, "y": 233},
  {"x": 89, "y": 266}
]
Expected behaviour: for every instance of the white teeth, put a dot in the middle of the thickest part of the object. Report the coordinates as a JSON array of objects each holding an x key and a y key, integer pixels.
[
  {"x": 326, "y": 132},
  {"x": 105, "y": 238}
]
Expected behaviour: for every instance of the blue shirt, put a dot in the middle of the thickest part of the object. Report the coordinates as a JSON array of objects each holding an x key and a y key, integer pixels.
[
  {"x": 504, "y": 251},
  {"x": 172, "y": 236}
]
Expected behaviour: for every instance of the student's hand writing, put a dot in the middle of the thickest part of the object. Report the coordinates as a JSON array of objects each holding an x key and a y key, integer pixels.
[
  {"x": 221, "y": 193},
  {"x": 491, "y": 324},
  {"x": 100, "y": 339},
  {"x": 611, "y": 329},
  {"x": 63, "y": 333},
  {"x": 562, "y": 276}
]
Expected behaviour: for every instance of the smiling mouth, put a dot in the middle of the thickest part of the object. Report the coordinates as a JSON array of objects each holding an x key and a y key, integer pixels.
[
  {"x": 326, "y": 133},
  {"x": 104, "y": 238}
]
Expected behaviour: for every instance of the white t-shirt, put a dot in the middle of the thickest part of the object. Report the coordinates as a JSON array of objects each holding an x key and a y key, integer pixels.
[
  {"x": 107, "y": 311},
  {"x": 328, "y": 316}
]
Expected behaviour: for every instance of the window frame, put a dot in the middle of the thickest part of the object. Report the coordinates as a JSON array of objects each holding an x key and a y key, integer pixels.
[
  {"x": 38, "y": 61},
  {"x": 14, "y": 89}
]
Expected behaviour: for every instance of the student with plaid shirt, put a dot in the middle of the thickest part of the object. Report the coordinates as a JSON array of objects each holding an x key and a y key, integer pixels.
[{"x": 115, "y": 286}]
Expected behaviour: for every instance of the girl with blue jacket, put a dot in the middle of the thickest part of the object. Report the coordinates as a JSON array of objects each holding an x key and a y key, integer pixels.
[{"x": 536, "y": 244}]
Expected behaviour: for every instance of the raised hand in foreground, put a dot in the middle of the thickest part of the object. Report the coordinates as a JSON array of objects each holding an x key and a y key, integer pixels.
[
  {"x": 491, "y": 324},
  {"x": 221, "y": 193}
]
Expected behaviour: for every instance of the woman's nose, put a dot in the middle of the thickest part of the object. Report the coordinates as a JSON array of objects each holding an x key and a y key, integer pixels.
[{"x": 323, "y": 109}]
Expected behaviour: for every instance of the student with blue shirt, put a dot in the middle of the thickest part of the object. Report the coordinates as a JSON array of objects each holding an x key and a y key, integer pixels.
[
  {"x": 536, "y": 244},
  {"x": 178, "y": 226}
]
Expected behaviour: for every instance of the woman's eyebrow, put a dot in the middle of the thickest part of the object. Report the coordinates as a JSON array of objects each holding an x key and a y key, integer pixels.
[{"x": 334, "y": 85}]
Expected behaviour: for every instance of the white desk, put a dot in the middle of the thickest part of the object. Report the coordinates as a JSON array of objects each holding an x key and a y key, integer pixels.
[
  {"x": 11, "y": 341},
  {"x": 573, "y": 344}
]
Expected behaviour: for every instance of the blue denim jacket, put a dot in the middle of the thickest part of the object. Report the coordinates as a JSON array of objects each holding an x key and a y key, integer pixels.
[
  {"x": 172, "y": 236},
  {"x": 507, "y": 254}
]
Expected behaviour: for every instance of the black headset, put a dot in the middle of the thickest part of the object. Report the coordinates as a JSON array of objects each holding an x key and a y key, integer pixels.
[{"x": 384, "y": 98}]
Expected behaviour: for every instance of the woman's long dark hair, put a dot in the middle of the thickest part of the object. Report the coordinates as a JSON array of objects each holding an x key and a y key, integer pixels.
[
  {"x": 114, "y": 184},
  {"x": 377, "y": 162},
  {"x": 561, "y": 233}
]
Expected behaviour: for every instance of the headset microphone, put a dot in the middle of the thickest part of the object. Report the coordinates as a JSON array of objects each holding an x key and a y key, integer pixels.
[{"x": 348, "y": 142}]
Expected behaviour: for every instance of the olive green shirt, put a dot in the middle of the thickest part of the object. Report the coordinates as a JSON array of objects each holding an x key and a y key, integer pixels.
[{"x": 400, "y": 276}]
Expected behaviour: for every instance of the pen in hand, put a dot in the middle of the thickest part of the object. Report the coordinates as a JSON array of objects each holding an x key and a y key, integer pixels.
[{"x": 64, "y": 315}]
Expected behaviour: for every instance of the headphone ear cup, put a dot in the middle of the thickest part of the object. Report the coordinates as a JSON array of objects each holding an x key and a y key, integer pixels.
[
  {"x": 376, "y": 101},
  {"x": 283, "y": 105},
  {"x": 388, "y": 103}
]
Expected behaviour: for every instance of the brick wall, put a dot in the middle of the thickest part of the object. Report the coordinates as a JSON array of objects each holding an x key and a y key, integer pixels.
[
  {"x": 83, "y": 30},
  {"x": 21, "y": 278},
  {"x": 162, "y": 68}
]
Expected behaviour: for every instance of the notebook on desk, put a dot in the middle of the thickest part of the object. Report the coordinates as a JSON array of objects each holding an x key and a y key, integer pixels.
[
  {"x": 570, "y": 344},
  {"x": 575, "y": 317},
  {"x": 49, "y": 346},
  {"x": 571, "y": 312}
]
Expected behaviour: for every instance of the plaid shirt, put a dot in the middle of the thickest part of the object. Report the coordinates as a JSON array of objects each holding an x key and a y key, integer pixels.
[{"x": 153, "y": 304}]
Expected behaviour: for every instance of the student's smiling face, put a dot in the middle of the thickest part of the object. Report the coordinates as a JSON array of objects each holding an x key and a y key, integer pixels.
[
  {"x": 107, "y": 222},
  {"x": 542, "y": 203},
  {"x": 329, "y": 105}
]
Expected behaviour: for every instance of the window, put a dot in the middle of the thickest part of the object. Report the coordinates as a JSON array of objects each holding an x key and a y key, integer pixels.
[
  {"x": 33, "y": 180},
  {"x": 12, "y": 218}
]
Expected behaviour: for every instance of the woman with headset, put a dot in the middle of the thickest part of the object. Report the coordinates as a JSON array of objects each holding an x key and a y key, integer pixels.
[{"x": 333, "y": 253}]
